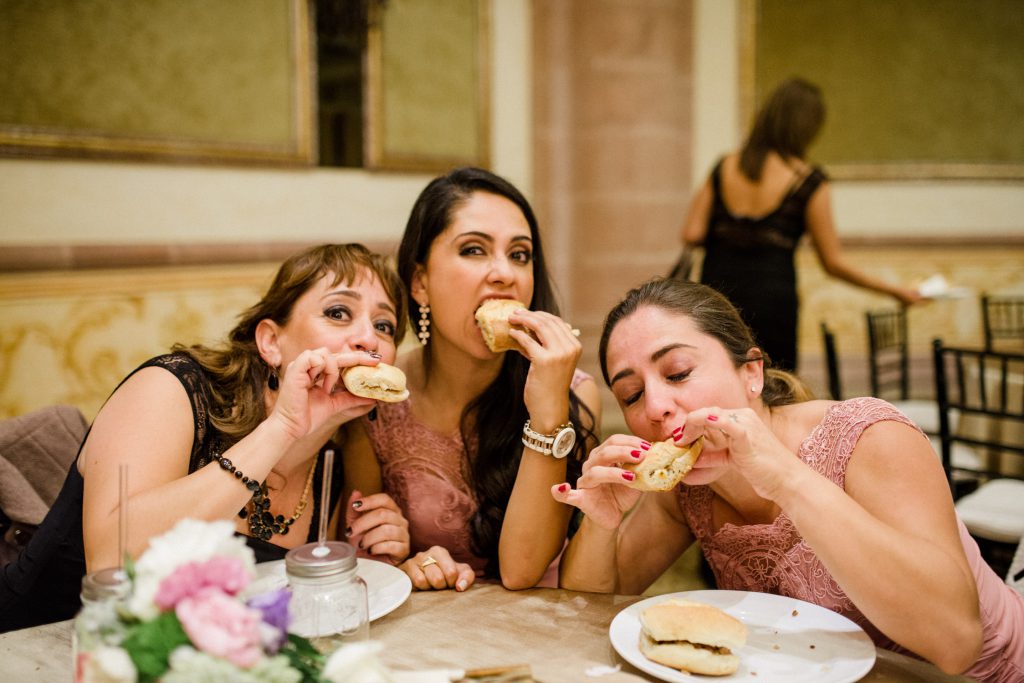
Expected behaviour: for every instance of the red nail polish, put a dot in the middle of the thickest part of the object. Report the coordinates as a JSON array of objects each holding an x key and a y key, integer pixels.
[
  {"x": 635, "y": 454},
  {"x": 628, "y": 476},
  {"x": 646, "y": 446},
  {"x": 562, "y": 488},
  {"x": 712, "y": 418},
  {"x": 677, "y": 429},
  {"x": 676, "y": 437}
]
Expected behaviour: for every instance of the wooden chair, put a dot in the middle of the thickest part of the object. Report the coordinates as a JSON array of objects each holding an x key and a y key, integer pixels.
[
  {"x": 1002, "y": 320},
  {"x": 828, "y": 338},
  {"x": 889, "y": 367},
  {"x": 981, "y": 404}
]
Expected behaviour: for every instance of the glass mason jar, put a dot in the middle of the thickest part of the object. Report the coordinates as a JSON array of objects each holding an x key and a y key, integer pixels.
[
  {"x": 329, "y": 604},
  {"x": 97, "y": 623}
]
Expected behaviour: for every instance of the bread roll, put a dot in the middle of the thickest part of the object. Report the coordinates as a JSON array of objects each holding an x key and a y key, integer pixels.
[
  {"x": 664, "y": 465},
  {"x": 383, "y": 382},
  {"x": 692, "y": 636},
  {"x": 492, "y": 318}
]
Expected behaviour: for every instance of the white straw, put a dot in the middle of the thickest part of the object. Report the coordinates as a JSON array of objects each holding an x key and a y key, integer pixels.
[{"x": 325, "y": 503}]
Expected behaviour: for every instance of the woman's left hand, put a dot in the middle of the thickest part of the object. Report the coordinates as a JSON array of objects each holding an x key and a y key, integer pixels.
[
  {"x": 553, "y": 351},
  {"x": 376, "y": 524},
  {"x": 741, "y": 436}
]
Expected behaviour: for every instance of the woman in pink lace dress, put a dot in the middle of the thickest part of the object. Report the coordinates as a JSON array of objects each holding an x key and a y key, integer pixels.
[
  {"x": 453, "y": 454},
  {"x": 842, "y": 504}
]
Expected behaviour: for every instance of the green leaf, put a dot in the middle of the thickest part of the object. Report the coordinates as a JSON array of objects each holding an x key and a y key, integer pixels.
[
  {"x": 150, "y": 643},
  {"x": 303, "y": 657}
]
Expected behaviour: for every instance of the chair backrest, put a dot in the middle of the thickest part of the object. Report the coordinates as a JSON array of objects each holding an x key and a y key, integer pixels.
[
  {"x": 981, "y": 403},
  {"x": 1002, "y": 319},
  {"x": 828, "y": 338},
  {"x": 888, "y": 356}
]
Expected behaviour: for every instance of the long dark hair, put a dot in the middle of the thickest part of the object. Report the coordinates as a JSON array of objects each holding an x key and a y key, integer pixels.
[
  {"x": 715, "y": 316},
  {"x": 239, "y": 372},
  {"x": 787, "y": 123},
  {"x": 494, "y": 419}
]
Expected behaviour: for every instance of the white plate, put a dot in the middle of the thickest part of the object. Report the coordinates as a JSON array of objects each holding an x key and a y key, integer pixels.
[
  {"x": 387, "y": 587},
  {"x": 787, "y": 640}
]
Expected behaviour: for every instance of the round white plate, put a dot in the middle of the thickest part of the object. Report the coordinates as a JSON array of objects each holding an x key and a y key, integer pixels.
[
  {"x": 387, "y": 587},
  {"x": 787, "y": 639}
]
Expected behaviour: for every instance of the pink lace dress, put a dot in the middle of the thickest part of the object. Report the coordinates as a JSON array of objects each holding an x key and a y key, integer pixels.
[
  {"x": 773, "y": 558},
  {"x": 426, "y": 472}
]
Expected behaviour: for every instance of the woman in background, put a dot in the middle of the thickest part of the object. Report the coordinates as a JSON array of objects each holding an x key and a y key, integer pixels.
[
  {"x": 234, "y": 432},
  {"x": 751, "y": 213},
  {"x": 841, "y": 504},
  {"x": 453, "y": 455}
]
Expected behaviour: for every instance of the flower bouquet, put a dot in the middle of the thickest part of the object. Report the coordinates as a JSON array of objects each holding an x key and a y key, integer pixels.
[{"x": 187, "y": 616}]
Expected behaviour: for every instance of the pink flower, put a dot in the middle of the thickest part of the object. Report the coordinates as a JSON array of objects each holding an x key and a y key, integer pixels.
[
  {"x": 226, "y": 573},
  {"x": 221, "y": 626}
]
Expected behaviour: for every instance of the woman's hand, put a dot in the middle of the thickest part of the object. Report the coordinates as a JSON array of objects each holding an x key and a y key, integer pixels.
[
  {"x": 603, "y": 492},
  {"x": 434, "y": 569},
  {"x": 553, "y": 352},
  {"x": 376, "y": 525},
  {"x": 741, "y": 437},
  {"x": 311, "y": 391}
]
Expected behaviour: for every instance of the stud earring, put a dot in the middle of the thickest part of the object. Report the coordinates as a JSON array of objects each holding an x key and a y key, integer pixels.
[
  {"x": 753, "y": 389},
  {"x": 424, "y": 324}
]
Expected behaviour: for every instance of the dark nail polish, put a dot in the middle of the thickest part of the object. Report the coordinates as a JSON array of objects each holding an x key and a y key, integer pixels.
[{"x": 373, "y": 415}]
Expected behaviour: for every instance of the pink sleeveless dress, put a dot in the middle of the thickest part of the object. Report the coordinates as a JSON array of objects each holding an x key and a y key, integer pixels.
[
  {"x": 773, "y": 558},
  {"x": 427, "y": 473}
]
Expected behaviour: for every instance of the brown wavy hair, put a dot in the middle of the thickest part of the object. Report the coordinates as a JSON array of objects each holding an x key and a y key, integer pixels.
[
  {"x": 787, "y": 124},
  {"x": 714, "y": 315},
  {"x": 238, "y": 371}
]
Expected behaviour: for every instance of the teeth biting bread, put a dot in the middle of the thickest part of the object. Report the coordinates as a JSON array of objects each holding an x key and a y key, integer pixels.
[
  {"x": 692, "y": 636},
  {"x": 492, "y": 318},
  {"x": 382, "y": 382},
  {"x": 664, "y": 465}
]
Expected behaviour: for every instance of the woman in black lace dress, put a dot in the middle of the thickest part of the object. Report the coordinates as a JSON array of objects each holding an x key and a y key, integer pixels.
[
  {"x": 233, "y": 432},
  {"x": 751, "y": 213}
]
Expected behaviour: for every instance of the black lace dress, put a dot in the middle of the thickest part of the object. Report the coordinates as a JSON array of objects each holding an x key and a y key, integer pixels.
[
  {"x": 42, "y": 585},
  {"x": 750, "y": 260}
]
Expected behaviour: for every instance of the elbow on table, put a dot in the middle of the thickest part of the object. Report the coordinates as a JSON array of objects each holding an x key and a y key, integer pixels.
[
  {"x": 961, "y": 650},
  {"x": 517, "y": 581}
]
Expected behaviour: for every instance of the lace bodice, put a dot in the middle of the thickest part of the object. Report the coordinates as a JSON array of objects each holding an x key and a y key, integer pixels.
[
  {"x": 774, "y": 558},
  {"x": 426, "y": 472}
]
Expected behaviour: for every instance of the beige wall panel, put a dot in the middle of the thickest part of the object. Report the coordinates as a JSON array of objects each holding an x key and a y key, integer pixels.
[{"x": 71, "y": 337}]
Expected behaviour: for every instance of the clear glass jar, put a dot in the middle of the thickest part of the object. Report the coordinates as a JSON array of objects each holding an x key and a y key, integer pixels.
[
  {"x": 97, "y": 623},
  {"x": 329, "y": 603}
]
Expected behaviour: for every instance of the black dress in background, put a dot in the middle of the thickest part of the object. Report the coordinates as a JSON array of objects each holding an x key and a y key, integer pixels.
[
  {"x": 43, "y": 584},
  {"x": 750, "y": 260}
]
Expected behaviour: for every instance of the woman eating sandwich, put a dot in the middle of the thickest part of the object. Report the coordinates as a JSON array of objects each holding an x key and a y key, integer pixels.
[{"x": 842, "y": 504}]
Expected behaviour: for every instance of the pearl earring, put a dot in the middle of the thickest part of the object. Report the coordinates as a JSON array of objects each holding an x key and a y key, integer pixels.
[
  {"x": 753, "y": 389},
  {"x": 424, "y": 324}
]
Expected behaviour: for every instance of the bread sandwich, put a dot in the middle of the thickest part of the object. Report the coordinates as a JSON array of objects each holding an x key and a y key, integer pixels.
[
  {"x": 382, "y": 382},
  {"x": 664, "y": 465},
  {"x": 692, "y": 636},
  {"x": 492, "y": 318}
]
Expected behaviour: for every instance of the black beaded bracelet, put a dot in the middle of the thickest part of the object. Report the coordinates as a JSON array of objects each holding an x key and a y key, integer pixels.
[{"x": 228, "y": 466}]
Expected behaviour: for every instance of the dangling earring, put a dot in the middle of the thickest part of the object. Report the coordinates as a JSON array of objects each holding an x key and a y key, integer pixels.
[
  {"x": 272, "y": 381},
  {"x": 424, "y": 324}
]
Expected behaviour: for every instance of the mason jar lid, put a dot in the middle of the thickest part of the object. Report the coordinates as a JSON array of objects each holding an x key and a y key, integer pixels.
[
  {"x": 313, "y": 560},
  {"x": 105, "y": 583}
]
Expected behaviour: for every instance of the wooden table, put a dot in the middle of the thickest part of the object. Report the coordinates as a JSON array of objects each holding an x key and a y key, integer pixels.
[{"x": 560, "y": 634}]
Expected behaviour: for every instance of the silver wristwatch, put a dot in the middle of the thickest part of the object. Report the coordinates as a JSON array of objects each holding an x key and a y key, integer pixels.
[{"x": 558, "y": 444}]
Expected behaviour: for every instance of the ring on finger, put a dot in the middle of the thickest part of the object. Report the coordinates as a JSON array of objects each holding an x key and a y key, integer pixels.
[
  {"x": 733, "y": 417},
  {"x": 427, "y": 562}
]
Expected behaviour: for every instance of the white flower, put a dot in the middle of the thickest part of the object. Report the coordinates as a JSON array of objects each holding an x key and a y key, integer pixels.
[
  {"x": 356, "y": 663},
  {"x": 190, "y": 540},
  {"x": 109, "y": 665},
  {"x": 188, "y": 665}
]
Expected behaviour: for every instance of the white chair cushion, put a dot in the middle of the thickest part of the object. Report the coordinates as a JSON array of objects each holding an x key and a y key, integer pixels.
[
  {"x": 995, "y": 510},
  {"x": 925, "y": 414},
  {"x": 963, "y": 456}
]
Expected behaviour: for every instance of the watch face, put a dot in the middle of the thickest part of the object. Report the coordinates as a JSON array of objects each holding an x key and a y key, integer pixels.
[{"x": 564, "y": 442}]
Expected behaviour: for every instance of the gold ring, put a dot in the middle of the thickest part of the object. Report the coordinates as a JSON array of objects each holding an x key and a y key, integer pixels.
[{"x": 427, "y": 562}]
